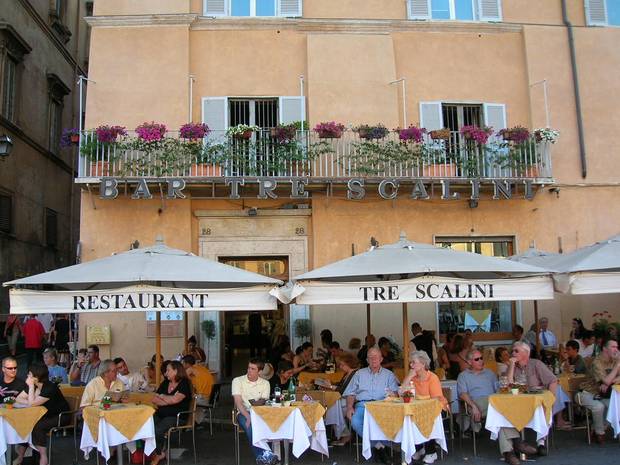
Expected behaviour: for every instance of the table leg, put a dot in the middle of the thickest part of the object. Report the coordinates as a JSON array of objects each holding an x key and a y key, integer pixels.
[
  {"x": 119, "y": 454},
  {"x": 286, "y": 448}
]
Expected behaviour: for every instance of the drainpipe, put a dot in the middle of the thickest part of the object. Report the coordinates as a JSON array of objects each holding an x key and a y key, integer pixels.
[{"x": 573, "y": 59}]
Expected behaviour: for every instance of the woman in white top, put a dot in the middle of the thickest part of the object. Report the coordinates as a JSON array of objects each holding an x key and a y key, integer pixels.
[{"x": 502, "y": 357}]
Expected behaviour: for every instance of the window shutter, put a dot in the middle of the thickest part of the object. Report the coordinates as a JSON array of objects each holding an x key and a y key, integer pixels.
[
  {"x": 292, "y": 109},
  {"x": 596, "y": 12},
  {"x": 6, "y": 206},
  {"x": 495, "y": 116},
  {"x": 290, "y": 8},
  {"x": 490, "y": 10},
  {"x": 419, "y": 9},
  {"x": 431, "y": 116},
  {"x": 216, "y": 8},
  {"x": 215, "y": 115}
]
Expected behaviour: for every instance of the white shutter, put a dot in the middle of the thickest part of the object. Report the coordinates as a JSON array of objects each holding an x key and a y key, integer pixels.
[
  {"x": 431, "y": 116},
  {"x": 292, "y": 109},
  {"x": 596, "y": 12},
  {"x": 216, "y": 7},
  {"x": 419, "y": 9},
  {"x": 290, "y": 8},
  {"x": 495, "y": 115},
  {"x": 490, "y": 10},
  {"x": 215, "y": 114}
]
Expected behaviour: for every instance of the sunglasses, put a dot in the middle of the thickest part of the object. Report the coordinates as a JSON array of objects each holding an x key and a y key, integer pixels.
[
  {"x": 10, "y": 368},
  {"x": 477, "y": 359}
]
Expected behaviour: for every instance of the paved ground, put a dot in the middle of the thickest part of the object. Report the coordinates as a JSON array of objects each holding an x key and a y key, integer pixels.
[{"x": 569, "y": 448}]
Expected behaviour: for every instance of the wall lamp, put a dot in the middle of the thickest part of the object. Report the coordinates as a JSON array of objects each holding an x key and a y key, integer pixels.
[
  {"x": 6, "y": 146},
  {"x": 473, "y": 203},
  {"x": 253, "y": 211}
]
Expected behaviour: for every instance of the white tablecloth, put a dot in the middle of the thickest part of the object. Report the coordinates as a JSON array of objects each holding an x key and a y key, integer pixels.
[
  {"x": 294, "y": 429},
  {"x": 538, "y": 422},
  {"x": 335, "y": 416},
  {"x": 408, "y": 436},
  {"x": 109, "y": 436},
  {"x": 613, "y": 413},
  {"x": 9, "y": 436}
]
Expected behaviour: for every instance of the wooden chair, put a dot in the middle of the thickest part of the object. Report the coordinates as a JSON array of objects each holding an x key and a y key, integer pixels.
[
  {"x": 72, "y": 414},
  {"x": 184, "y": 425}
]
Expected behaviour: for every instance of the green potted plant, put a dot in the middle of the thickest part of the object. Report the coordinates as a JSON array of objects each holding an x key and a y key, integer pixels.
[
  {"x": 329, "y": 130},
  {"x": 106, "y": 402},
  {"x": 407, "y": 396},
  {"x": 242, "y": 131},
  {"x": 70, "y": 137},
  {"x": 370, "y": 132},
  {"x": 9, "y": 402},
  {"x": 208, "y": 329},
  {"x": 303, "y": 328},
  {"x": 100, "y": 148},
  {"x": 372, "y": 158}
]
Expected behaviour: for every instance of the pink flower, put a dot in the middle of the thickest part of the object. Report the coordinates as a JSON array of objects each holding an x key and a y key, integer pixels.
[
  {"x": 479, "y": 135},
  {"x": 151, "y": 132},
  {"x": 108, "y": 134},
  {"x": 194, "y": 131},
  {"x": 412, "y": 133}
]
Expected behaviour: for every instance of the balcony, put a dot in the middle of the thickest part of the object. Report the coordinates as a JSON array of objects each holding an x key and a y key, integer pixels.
[{"x": 265, "y": 154}]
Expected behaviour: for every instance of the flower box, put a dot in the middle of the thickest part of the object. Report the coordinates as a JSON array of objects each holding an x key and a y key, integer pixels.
[
  {"x": 371, "y": 132},
  {"x": 99, "y": 169},
  {"x": 205, "y": 170},
  {"x": 329, "y": 130},
  {"x": 440, "y": 134},
  {"x": 246, "y": 135},
  {"x": 439, "y": 170}
]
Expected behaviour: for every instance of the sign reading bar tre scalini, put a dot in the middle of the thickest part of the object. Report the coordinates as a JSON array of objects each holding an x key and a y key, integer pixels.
[{"x": 356, "y": 188}]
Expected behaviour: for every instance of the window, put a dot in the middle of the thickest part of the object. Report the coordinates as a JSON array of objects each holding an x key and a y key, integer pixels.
[
  {"x": 462, "y": 10},
  {"x": 487, "y": 320},
  {"x": 455, "y": 116},
  {"x": 602, "y": 12},
  {"x": 9, "y": 86},
  {"x": 51, "y": 228},
  {"x": 56, "y": 91},
  {"x": 459, "y": 10},
  {"x": 6, "y": 213},
  {"x": 258, "y": 112},
  {"x": 258, "y": 8},
  {"x": 252, "y": 8}
]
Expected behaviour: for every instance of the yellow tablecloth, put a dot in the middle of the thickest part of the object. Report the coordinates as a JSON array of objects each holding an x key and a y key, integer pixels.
[
  {"x": 308, "y": 377},
  {"x": 570, "y": 382},
  {"x": 275, "y": 416},
  {"x": 126, "y": 418},
  {"x": 330, "y": 397},
  {"x": 519, "y": 409},
  {"x": 142, "y": 398},
  {"x": 23, "y": 419},
  {"x": 390, "y": 415},
  {"x": 72, "y": 391},
  {"x": 617, "y": 387}
]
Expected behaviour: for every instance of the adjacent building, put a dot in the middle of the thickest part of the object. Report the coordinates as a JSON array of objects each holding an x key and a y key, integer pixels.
[
  {"x": 279, "y": 203},
  {"x": 43, "y": 50}
]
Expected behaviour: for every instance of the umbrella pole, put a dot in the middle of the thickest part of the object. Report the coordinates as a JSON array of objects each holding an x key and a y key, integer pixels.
[
  {"x": 405, "y": 337},
  {"x": 537, "y": 327},
  {"x": 185, "y": 331},
  {"x": 368, "y": 332},
  {"x": 157, "y": 348}
]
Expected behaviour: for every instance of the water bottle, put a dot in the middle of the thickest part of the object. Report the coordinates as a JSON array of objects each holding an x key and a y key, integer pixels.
[
  {"x": 291, "y": 390},
  {"x": 277, "y": 394},
  {"x": 412, "y": 388}
]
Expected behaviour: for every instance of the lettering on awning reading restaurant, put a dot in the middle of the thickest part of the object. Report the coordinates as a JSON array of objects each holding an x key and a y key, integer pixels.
[
  {"x": 142, "y": 301},
  {"x": 430, "y": 291},
  {"x": 387, "y": 189}
]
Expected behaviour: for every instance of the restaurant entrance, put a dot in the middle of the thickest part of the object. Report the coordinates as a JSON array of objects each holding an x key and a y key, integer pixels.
[{"x": 249, "y": 334}]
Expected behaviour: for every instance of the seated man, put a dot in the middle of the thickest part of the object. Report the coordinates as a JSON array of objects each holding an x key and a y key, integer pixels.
[
  {"x": 203, "y": 382},
  {"x": 605, "y": 373},
  {"x": 131, "y": 381},
  {"x": 84, "y": 369},
  {"x": 368, "y": 384},
  {"x": 246, "y": 388},
  {"x": 475, "y": 385},
  {"x": 10, "y": 384},
  {"x": 98, "y": 386},
  {"x": 535, "y": 374},
  {"x": 574, "y": 362}
]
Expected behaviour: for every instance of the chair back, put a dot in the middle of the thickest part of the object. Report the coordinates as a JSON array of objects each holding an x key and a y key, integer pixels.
[
  {"x": 215, "y": 395},
  {"x": 74, "y": 406},
  {"x": 441, "y": 373},
  {"x": 316, "y": 394},
  {"x": 191, "y": 416}
]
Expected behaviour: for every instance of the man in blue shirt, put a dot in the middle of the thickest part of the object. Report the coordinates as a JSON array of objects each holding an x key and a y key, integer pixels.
[{"x": 368, "y": 384}]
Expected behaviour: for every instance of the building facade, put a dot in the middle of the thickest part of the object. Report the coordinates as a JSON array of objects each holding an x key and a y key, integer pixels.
[
  {"x": 281, "y": 203},
  {"x": 43, "y": 49}
]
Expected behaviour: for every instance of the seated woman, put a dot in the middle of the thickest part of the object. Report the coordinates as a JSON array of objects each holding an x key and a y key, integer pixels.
[
  {"x": 173, "y": 396},
  {"x": 456, "y": 356},
  {"x": 502, "y": 357},
  {"x": 42, "y": 392},
  {"x": 427, "y": 386},
  {"x": 349, "y": 364},
  {"x": 55, "y": 371},
  {"x": 194, "y": 350},
  {"x": 282, "y": 377},
  {"x": 303, "y": 360}
]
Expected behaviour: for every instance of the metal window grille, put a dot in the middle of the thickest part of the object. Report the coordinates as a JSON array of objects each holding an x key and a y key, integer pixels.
[
  {"x": 6, "y": 213},
  {"x": 55, "y": 125},
  {"x": 10, "y": 88},
  {"x": 260, "y": 112}
]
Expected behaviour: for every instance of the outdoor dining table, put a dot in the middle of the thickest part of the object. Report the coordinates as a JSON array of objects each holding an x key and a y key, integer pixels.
[
  {"x": 307, "y": 378},
  {"x": 332, "y": 401},
  {"x": 121, "y": 424},
  {"x": 613, "y": 412},
  {"x": 300, "y": 423},
  {"x": 520, "y": 411},
  {"x": 16, "y": 426},
  {"x": 409, "y": 424}
]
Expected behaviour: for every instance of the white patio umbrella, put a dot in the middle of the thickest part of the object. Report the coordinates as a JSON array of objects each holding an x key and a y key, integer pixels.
[
  {"x": 412, "y": 272},
  {"x": 156, "y": 278}
]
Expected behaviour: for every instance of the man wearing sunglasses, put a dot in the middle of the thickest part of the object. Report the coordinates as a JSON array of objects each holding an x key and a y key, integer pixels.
[{"x": 10, "y": 384}]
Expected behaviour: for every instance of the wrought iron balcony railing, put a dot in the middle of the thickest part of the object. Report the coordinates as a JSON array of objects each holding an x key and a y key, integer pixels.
[{"x": 267, "y": 154}]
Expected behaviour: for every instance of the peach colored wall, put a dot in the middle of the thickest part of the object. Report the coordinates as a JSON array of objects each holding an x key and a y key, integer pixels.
[
  {"x": 138, "y": 77},
  {"x": 140, "y": 7},
  {"x": 355, "y": 9},
  {"x": 348, "y": 79}
]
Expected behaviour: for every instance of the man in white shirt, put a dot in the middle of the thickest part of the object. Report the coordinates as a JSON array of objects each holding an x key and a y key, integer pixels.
[
  {"x": 586, "y": 343},
  {"x": 131, "y": 381},
  {"x": 99, "y": 385},
  {"x": 546, "y": 336},
  {"x": 246, "y": 388}
]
